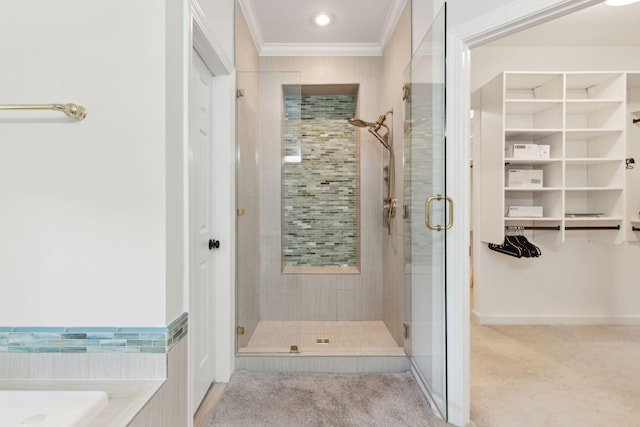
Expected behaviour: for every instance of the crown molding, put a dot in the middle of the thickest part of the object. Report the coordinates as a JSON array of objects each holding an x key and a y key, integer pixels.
[
  {"x": 321, "y": 49},
  {"x": 252, "y": 22},
  {"x": 395, "y": 11}
]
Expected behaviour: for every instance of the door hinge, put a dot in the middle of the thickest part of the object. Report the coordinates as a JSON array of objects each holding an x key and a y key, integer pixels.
[
  {"x": 405, "y": 332},
  {"x": 240, "y": 330},
  {"x": 239, "y": 93},
  {"x": 405, "y": 92}
]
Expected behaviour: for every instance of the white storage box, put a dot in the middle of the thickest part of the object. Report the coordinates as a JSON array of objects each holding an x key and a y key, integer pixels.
[
  {"x": 529, "y": 151},
  {"x": 524, "y": 211},
  {"x": 525, "y": 178}
]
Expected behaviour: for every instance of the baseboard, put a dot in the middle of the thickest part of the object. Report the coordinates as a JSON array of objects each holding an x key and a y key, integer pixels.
[{"x": 482, "y": 319}]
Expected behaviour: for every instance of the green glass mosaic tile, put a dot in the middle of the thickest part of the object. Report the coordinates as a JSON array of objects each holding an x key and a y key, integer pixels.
[
  {"x": 92, "y": 339},
  {"x": 151, "y": 350}
]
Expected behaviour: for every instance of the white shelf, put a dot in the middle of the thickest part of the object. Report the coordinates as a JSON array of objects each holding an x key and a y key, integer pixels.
[
  {"x": 516, "y": 134},
  {"x": 519, "y": 161},
  {"x": 594, "y": 85},
  {"x": 532, "y": 189},
  {"x": 537, "y": 219},
  {"x": 594, "y": 219},
  {"x": 582, "y": 118},
  {"x": 593, "y": 189},
  {"x": 592, "y": 160},
  {"x": 588, "y": 106},
  {"x": 530, "y": 106},
  {"x": 590, "y": 133}
]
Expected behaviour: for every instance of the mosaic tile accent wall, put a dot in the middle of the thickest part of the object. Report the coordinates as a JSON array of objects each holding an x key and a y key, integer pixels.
[
  {"x": 320, "y": 182},
  {"x": 93, "y": 340}
]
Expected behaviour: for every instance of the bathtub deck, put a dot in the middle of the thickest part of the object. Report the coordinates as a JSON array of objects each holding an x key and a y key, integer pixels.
[{"x": 126, "y": 397}]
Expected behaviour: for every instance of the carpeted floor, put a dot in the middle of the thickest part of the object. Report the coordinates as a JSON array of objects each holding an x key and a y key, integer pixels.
[
  {"x": 277, "y": 399},
  {"x": 555, "y": 375}
]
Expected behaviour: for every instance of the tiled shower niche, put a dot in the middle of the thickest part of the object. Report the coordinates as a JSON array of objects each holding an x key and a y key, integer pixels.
[{"x": 320, "y": 180}]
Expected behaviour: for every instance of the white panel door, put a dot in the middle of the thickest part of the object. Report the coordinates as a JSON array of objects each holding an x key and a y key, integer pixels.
[{"x": 202, "y": 242}]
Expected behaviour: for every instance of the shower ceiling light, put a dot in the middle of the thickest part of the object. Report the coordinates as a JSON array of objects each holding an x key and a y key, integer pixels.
[
  {"x": 619, "y": 2},
  {"x": 322, "y": 19}
]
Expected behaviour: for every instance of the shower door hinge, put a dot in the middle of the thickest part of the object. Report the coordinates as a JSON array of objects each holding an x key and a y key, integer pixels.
[
  {"x": 405, "y": 332},
  {"x": 240, "y": 330},
  {"x": 405, "y": 92},
  {"x": 239, "y": 93}
]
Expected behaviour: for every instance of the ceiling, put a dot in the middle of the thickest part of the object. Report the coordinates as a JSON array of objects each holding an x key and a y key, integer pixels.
[
  {"x": 285, "y": 27},
  {"x": 363, "y": 27}
]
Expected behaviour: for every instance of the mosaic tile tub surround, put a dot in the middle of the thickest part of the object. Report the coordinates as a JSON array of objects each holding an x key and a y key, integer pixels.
[
  {"x": 93, "y": 340},
  {"x": 320, "y": 182}
]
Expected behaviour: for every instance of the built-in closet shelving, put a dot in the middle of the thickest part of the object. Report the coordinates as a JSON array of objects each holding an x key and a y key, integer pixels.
[
  {"x": 632, "y": 188},
  {"x": 581, "y": 117}
]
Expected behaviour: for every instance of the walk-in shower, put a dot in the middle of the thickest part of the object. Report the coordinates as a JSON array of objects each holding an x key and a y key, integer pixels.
[
  {"x": 389, "y": 203},
  {"x": 309, "y": 246}
]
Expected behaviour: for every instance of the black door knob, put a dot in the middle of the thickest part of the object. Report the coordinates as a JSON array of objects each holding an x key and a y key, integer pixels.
[{"x": 213, "y": 243}]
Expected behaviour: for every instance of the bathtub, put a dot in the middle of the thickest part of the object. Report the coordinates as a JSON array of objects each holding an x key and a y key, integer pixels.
[{"x": 50, "y": 408}]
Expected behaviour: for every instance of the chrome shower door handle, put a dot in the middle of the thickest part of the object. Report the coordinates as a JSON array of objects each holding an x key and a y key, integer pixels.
[{"x": 427, "y": 213}]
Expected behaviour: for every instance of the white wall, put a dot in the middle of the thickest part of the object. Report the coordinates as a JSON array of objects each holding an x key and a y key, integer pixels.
[
  {"x": 83, "y": 228},
  {"x": 92, "y": 222},
  {"x": 176, "y": 50},
  {"x": 458, "y": 12},
  {"x": 487, "y": 62},
  {"x": 586, "y": 279}
]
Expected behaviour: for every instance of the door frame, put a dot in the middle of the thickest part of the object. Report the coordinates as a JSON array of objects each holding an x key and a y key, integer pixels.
[
  {"x": 511, "y": 18},
  {"x": 200, "y": 39}
]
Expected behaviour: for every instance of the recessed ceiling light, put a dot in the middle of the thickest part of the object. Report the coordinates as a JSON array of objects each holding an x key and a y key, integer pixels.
[
  {"x": 322, "y": 19},
  {"x": 619, "y": 2}
]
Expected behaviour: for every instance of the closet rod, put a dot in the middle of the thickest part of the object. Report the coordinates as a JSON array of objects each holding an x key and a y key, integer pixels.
[
  {"x": 612, "y": 227},
  {"x": 74, "y": 111},
  {"x": 557, "y": 227},
  {"x": 532, "y": 227}
]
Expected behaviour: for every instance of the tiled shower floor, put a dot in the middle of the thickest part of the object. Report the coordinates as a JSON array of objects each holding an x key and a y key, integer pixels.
[{"x": 365, "y": 338}]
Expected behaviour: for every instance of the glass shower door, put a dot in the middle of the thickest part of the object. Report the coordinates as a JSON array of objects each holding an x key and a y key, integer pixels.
[
  {"x": 427, "y": 212},
  {"x": 260, "y": 129}
]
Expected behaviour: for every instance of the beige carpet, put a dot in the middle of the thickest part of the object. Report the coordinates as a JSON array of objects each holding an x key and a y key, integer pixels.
[
  {"x": 531, "y": 376},
  {"x": 266, "y": 399}
]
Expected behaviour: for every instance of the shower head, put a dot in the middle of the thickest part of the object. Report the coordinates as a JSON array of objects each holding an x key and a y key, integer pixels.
[
  {"x": 382, "y": 138},
  {"x": 374, "y": 128},
  {"x": 375, "y": 125},
  {"x": 361, "y": 123}
]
